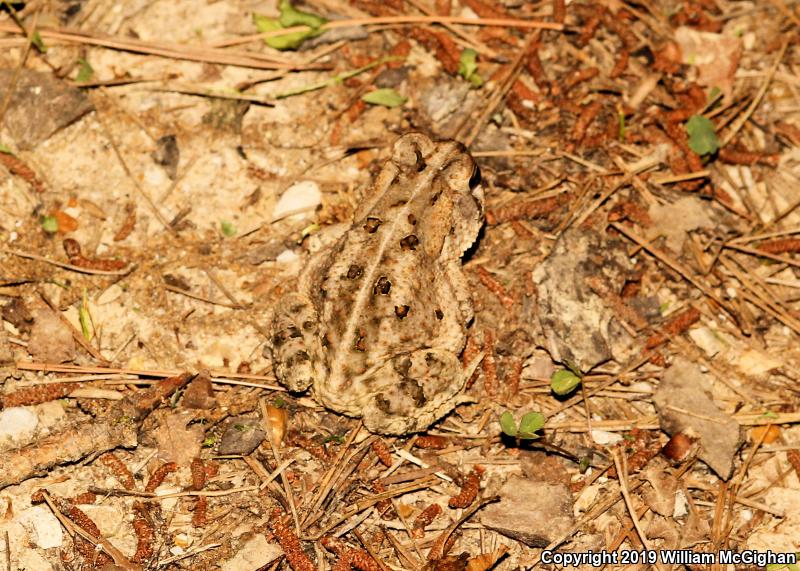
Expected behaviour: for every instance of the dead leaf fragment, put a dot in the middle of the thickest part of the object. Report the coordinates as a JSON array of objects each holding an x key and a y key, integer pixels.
[
  {"x": 684, "y": 403},
  {"x": 660, "y": 495},
  {"x": 715, "y": 56},
  {"x": 199, "y": 394},
  {"x": 51, "y": 341}
]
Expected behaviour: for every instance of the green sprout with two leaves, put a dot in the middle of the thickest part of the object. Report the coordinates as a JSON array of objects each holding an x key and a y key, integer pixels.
[{"x": 526, "y": 429}]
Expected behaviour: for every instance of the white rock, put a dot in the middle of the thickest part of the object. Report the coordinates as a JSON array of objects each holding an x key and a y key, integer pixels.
[
  {"x": 298, "y": 199},
  {"x": 155, "y": 176},
  {"x": 49, "y": 414},
  {"x": 31, "y": 560},
  {"x": 755, "y": 362},
  {"x": 17, "y": 424},
  {"x": 604, "y": 437},
  {"x": 681, "y": 505},
  {"x": 43, "y": 528},
  {"x": 256, "y": 553},
  {"x": 708, "y": 340},
  {"x": 287, "y": 257}
]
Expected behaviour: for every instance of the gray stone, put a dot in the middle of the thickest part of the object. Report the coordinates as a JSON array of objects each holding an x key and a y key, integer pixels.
[
  {"x": 534, "y": 513},
  {"x": 40, "y": 106}
]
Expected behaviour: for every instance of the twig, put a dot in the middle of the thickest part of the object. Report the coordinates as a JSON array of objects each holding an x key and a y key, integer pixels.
[
  {"x": 369, "y": 502},
  {"x": 152, "y": 496},
  {"x": 128, "y": 172},
  {"x": 189, "y": 553},
  {"x": 80, "y": 269},
  {"x": 77, "y": 335},
  {"x": 622, "y": 476},
  {"x": 73, "y": 528},
  {"x": 442, "y": 539},
  {"x": 173, "y": 51},
  {"x": 739, "y": 123},
  {"x": 676, "y": 266},
  {"x": 175, "y": 289},
  {"x": 500, "y": 22},
  {"x": 755, "y": 252},
  {"x": 262, "y": 403},
  {"x": 215, "y": 93},
  {"x": 498, "y": 95}
]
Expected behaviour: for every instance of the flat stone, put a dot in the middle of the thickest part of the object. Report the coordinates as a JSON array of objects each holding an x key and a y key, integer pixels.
[
  {"x": 574, "y": 283},
  {"x": 254, "y": 554},
  {"x": 43, "y": 528},
  {"x": 17, "y": 424},
  {"x": 535, "y": 513},
  {"x": 300, "y": 199},
  {"x": 41, "y": 105}
]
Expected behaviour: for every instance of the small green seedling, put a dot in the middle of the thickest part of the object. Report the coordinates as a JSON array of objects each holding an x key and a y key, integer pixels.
[
  {"x": 289, "y": 18},
  {"x": 228, "y": 229},
  {"x": 85, "y": 71},
  {"x": 702, "y": 136},
  {"x": 564, "y": 381},
  {"x": 531, "y": 422},
  {"x": 49, "y": 224},
  {"x": 5, "y": 150},
  {"x": 38, "y": 42},
  {"x": 468, "y": 67},
  {"x": 387, "y": 97}
]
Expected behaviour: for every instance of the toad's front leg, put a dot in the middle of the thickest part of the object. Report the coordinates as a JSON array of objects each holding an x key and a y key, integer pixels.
[{"x": 294, "y": 341}]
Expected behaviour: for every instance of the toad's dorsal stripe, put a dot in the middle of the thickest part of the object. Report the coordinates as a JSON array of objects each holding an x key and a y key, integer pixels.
[{"x": 419, "y": 182}]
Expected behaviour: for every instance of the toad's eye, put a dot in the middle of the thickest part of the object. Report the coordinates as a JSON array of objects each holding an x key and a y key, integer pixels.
[{"x": 475, "y": 179}]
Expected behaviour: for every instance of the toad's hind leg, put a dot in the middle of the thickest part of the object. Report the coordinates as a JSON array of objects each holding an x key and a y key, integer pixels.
[
  {"x": 294, "y": 343},
  {"x": 417, "y": 389}
]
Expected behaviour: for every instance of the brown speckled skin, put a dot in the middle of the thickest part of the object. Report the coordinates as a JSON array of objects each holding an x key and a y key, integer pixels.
[{"x": 379, "y": 318}]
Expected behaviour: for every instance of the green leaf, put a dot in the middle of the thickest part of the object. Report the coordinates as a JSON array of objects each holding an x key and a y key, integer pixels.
[
  {"x": 508, "y": 424},
  {"x": 49, "y": 224},
  {"x": 386, "y": 97},
  {"x": 770, "y": 414},
  {"x": 289, "y": 17},
  {"x": 468, "y": 67},
  {"x": 290, "y": 41},
  {"x": 209, "y": 442},
  {"x": 85, "y": 71},
  {"x": 702, "y": 137},
  {"x": 564, "y": 382},
  {"x": 5, "y": 150},
  {"x": 530, "y": 423},
  {"x": 36, "y": 40},
  {"x": 279, "y": 402},
  {"x": 228, "y": 229}
]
